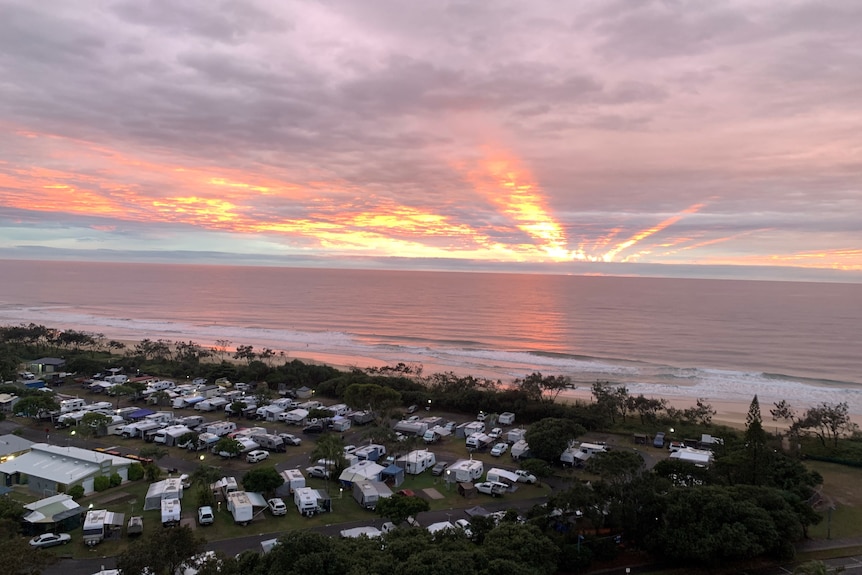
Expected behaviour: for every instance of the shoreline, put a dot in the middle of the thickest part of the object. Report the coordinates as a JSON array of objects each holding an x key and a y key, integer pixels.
[{"x": 729, "y": 412}]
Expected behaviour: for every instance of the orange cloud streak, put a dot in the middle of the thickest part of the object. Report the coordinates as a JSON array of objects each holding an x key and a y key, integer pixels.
[{"x": 610, "y": 255}]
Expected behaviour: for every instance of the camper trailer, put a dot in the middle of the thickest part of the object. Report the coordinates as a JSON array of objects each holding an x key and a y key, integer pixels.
[
  {"x": 293, "y": 480},
  {"x": 240, "y": 507},
  {"x": 417, "y": 461},
  {"x": 96, "y": 524},
  {"x": 515, "y": 435},
  {"x": 370, "y": 452},
  {"x": 171, "y": 511},
  {"x": 417, "y": 428},
  {"x": 478, "y": 441},
  {"x": 520, "y": 450},
  {"x": 163, "y": 385},
  {"x": 211, "y": 404},
  {"x": 506, "y": 418},
  {"x": 70, "y": 405},
  {"x": 305, "y": 499},
  {"x": 465, "y": 471},
  {"x": 497, "y": 475},
  {"x": 268, "y": 441},
  {"x": 169, "y": 436},
  {"x": 220, "y": 428}
]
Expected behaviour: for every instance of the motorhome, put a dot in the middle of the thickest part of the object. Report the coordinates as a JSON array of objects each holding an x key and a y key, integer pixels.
[{"x": 417, "y": 428}]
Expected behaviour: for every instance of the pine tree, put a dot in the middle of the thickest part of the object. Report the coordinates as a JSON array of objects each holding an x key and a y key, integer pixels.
[{"x": 755, "y": 442}]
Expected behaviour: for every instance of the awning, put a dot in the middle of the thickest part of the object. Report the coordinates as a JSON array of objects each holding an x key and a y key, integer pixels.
[
  {"x": 115, "y": 519},
  {"x": 256, "y": 499},
  {"x": 477, "y": 511},
  {"x": 140, "y": 413}
]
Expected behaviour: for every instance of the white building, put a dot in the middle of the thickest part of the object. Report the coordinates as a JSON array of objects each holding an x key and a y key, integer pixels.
[{"x": 50, "y": 468}]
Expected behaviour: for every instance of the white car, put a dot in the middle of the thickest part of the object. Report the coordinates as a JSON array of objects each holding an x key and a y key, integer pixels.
[
  {"x": 464, "y": 525},
  {"x": 496, "y": 433},
  {"x": 277, "y": 506},
  {"x": 499, "y": 449},
  {"x": 256, "y": 455},
  {"x": 525, "y": 476},
  {"x": 205, "y": 515},
  {"x": 349, "y": 449},
  {"x": 50, "y": 539},
  {"x": 493, "y": 488}
]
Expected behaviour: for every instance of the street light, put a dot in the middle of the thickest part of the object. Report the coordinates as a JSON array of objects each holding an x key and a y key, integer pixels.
[{"x": 428, "y": 407}]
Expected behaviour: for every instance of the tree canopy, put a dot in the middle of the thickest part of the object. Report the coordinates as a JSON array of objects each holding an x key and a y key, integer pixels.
[{"x": 549, "y": 437}]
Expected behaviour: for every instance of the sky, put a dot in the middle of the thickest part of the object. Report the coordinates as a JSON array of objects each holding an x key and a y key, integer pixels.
[{"x": 621, "y": 137}]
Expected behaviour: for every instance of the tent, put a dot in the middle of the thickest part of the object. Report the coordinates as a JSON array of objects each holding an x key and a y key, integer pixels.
[
  {"x": 393, "y": 475},
  {"x": 56, "y": 513},
  {"x": 170, "y": 488},
  {"x": 466, "y": 490},
  {"x": 477, "y": 511}
]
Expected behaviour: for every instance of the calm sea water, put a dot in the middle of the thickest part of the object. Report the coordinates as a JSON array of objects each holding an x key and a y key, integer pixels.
[{"x": 701, "y": 338}]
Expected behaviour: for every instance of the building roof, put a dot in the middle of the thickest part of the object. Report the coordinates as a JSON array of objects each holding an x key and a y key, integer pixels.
[
  {"x": 55, "y": 361},
  {"x": 10, "y": 444},
  {"x": 61, "y": 464}
]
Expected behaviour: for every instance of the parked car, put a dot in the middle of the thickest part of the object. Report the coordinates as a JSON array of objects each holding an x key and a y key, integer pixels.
[
  {"x": 465, "y": 526},
  {"x": 314, "y": 428},
  {"x": 407, "y": 493},
  {"x": 481, "y": 417},
  {"x": 318, "y": 471},
  {"x": 493, "y": 488},
  {"x": 290, "y": 439},
  {"x": 412, "y": 408},
  {"x": 186, "y": 481},
  {"x": 496, "y": 433},
  {"x": 439, "y": 468},
  {"x": 256, "y": 455},
  {"x": 277, "y": 506},
  {"x": 499, "y": 449},
  {"x": 205, "y": 515},
  {"x": 525, "y": 476},
  {"x": 675, "y": 446},
  {"x": 413, "y": 418},
  {"x": 50, "y": 539},
  {"x": 349, "y": 449},
  {"x": 658, "y": 440}
]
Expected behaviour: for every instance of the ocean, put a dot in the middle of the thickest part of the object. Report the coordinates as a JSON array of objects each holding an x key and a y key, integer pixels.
[{"x": 717, "y": 339}]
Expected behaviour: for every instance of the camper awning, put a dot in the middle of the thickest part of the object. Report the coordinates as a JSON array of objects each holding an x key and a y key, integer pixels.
[
  {"x": 477, "y": 511},
  {"x": 256, "y": 499},
  {"x": 115, "y": 519},
  {"x": 140, "y": 413}
]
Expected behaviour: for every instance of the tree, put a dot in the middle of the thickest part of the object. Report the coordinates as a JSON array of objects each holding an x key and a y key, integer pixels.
[
  {"x": 549, "y": 437},
  {"x": 152, "y": 452},
  {"x": 36, "y": 405},
  {"x": 160, "y": 551},
  {"x": 375, "y": 398},
  {"x": 610, "y": 400},
  {"x": 617, "y": 467},
  {"x": 262, "y": 479},
  {"x": 524, "y": 545},
  {"x": 330, "y": 447},
  {"x": 227, "y": 447},
  {"x": 398, "y": 508},
  {"x": 829, "y": 421},
  {"x": 647, "y": 408},
  {"x": 152, "y": 472},
  {"x": 755, "y": 443},
  {"x": 245, "y": 352},
  {"x": 92, "y": 422}
]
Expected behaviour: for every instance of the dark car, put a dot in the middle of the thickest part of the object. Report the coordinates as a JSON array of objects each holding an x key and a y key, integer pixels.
[
  {"x": 439, "y": 468},
  {"x": 314, "y": 428},
  {"x": 658, "y": 440}
]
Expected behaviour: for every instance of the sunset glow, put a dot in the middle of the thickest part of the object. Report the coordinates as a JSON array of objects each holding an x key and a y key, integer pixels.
[{"x": 393, "y": 144}]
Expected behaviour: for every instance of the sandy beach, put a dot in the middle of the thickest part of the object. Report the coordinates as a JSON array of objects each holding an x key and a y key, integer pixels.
[{"x": 730, "y": 413}]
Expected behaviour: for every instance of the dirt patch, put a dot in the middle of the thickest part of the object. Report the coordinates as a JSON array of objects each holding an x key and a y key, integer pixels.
[{"x": 432, "y": 493}]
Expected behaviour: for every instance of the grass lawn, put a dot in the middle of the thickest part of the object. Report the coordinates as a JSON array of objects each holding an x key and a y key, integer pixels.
[{"x": 841, "y": 487}]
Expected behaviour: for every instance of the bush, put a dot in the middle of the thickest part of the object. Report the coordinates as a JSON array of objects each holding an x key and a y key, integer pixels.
[
  {"x": 76, "y": 491},
  {"x": 136, "y": 472},
  {"x": 115, "y": 479},
  {"x": 101, "y": 483}
]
